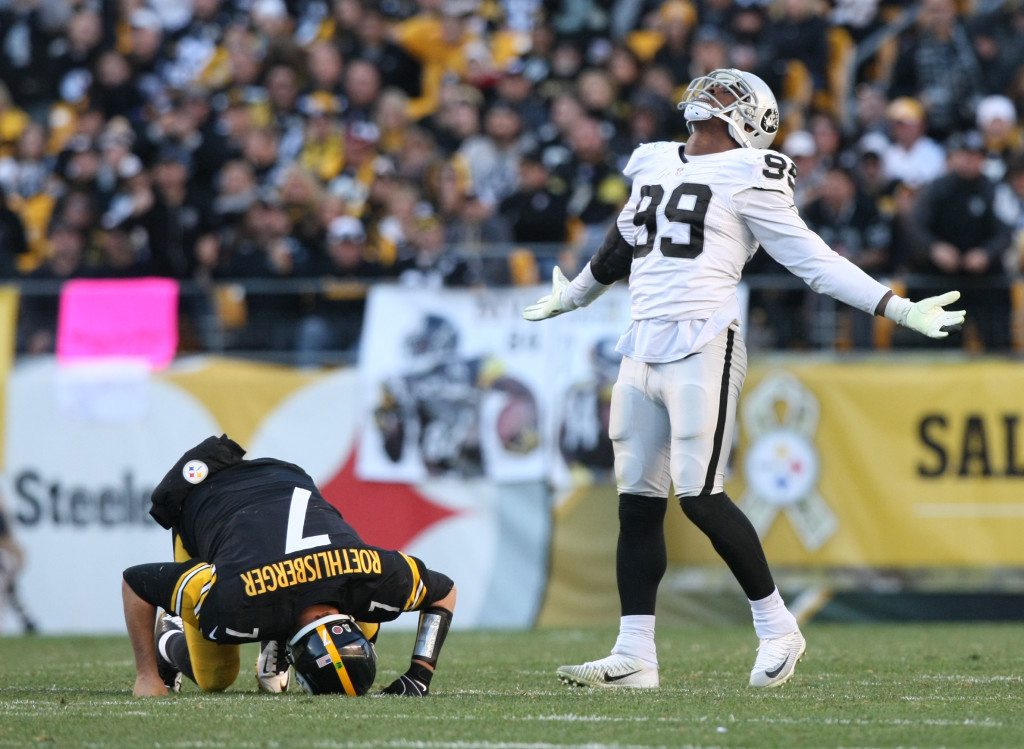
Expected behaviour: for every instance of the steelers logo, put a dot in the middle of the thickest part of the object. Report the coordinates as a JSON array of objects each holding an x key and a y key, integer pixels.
[
  {"x": 782, "y": 467},
  {"x": 195, "y": 471}
]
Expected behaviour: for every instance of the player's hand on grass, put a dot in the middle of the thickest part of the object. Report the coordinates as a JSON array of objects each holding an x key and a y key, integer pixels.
[
  {"x": 555, "y": 303},
  {"x": 928, "y": 316},
  {"x": 406, "y": 686},
  {"x": 149, "y": 686}
]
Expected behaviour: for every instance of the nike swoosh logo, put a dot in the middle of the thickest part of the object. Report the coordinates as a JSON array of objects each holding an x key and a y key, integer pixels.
[
  {"x": 213, "y": 633},
  {"x": 608, "y": 678},
  {"x": 777, "y": 670}
]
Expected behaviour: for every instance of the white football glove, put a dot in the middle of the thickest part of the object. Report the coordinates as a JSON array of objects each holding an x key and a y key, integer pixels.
[
  {"x": 927, "y": 316},
  {"x": 555, "y": 303}
]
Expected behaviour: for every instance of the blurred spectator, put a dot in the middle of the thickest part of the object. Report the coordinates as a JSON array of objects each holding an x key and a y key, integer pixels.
[
  {"x": 493, "y": 157},
  {"x": 13, "y": 245},
  {"x": 323, "y": 143},
  {"x": 391, "y": 117},
  {"x": 13, "y": 121},
  {"x": 963, "y": 240},
  {"x": 800, "y": 34},
  {"x": 262, "y": 249},
  {"x": 123, "y": 253},
  {"x": 534, "y": 212},
  {"x": 913, "y": 157},
  {"x": 801, "y": 146},
  {"x": 1010, "y": 209},
  {"x": 997, "y": 121},
  {"x": 397, "y": 68},
  {"x": 828, "y": 139},
  {"x": 676, "y": 20},
  {"x": 850, "y": 223},
  {"x": 517, "y": 89},
  {"x": 325, "y": 67},
  {"x": 333, "y": 318},
  {"x": 597, "y": 189},
  {"x": 362, "y": 86},
  {"x": 441, "y": 43},
  {"x": 937, "y": 66},
  {"x": 428, "y": 261},
  {"x": 24, "y": 63},
  {"x": 176, "y": 219},
  {"x": 469, "y": 222},
  {"x": 37, "y": 318},
  {"x": 709, "y": 51},
  {"x": 73, "y": 58},
  {"x": 995, "y": 34}
]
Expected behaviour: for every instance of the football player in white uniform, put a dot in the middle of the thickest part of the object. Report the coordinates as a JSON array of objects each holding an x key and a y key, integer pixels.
[{"x": 697, "y": 213}]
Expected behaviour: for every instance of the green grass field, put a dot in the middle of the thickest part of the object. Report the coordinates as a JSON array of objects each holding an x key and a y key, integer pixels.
[{"x": 857, "y": 686}]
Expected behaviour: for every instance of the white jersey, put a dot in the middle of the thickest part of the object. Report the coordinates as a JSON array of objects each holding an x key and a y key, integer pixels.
[{"x": 694, "y": 223}]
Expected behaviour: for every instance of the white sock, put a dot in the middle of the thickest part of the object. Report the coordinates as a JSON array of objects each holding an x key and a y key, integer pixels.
[
  {"x": 771, "y": 617},
  {"x": 636, "y": 639}
]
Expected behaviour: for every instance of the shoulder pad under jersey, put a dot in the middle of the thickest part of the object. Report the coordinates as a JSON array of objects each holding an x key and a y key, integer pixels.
[{"x": 648, "y": 155}]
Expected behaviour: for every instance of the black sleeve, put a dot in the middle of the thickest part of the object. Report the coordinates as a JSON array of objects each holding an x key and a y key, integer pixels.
[
  {"x": 613, "y": 259},
  {"x": 154, "y": 583}
]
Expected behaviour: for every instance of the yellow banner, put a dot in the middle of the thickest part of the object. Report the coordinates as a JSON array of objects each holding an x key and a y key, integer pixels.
[
  {"x": 9, "y": 297},
  {"x": 911, "y": 464}
]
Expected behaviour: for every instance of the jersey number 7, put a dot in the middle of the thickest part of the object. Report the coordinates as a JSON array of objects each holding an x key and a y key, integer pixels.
[{"x": 688, "y": 205}]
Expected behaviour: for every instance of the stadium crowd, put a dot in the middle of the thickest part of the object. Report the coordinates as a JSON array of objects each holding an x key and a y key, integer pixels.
[{"x": 302, "y": 149}]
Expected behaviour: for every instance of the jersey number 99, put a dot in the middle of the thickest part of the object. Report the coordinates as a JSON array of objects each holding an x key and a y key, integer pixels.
[{"x": 687, "y": 193}]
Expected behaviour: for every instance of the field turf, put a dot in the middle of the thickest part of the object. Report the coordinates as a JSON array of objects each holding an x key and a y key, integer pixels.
[{"x": 857, "y": 686}]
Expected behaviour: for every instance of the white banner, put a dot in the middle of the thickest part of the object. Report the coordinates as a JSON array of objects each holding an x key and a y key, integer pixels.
[
  {"x": 457, "y": 384},
  {"x": 85, "y": 449}
]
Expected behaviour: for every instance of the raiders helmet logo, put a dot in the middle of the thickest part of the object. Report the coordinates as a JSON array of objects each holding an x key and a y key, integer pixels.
[
  {"x": 770, "y": 121},
  {"x": 195, "y": 471}
]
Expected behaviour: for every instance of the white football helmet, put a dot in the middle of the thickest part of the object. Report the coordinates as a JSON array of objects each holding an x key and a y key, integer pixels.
[{"x": 753, "y": 118}]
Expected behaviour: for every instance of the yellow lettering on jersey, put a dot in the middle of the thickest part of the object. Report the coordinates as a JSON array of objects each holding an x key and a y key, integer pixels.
[
  {"x": 335, "y": 566},
  {"x": 268, "y": 576},
  {"x": 312, "y": 567},
  {"x": 282, "y": 575},
  {"x": 250, "y": 586},
  {"x": 369, "y": 561}
]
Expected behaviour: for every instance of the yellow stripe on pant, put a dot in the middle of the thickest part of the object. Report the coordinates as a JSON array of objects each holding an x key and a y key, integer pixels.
[{"x": 215, "y": 666}]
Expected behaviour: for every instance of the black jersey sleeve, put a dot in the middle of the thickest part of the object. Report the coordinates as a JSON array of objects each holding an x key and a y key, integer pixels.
[{"x": 613, "y": 259}]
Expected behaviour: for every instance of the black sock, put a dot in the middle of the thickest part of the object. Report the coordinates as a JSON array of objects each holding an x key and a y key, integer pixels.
[
  {"x": 735, "y": 540},
  {"x": 640, "y": 558},
  {"x": 176, "y": 648}
]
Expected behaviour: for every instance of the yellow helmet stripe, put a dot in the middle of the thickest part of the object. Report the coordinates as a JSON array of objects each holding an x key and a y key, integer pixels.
[{"x": 339, "y": 665}]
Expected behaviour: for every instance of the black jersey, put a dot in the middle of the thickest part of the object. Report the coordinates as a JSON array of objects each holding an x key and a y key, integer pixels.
[{"x": 266, "y": 544}]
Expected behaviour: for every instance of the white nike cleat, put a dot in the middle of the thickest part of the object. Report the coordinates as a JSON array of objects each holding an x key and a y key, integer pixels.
[
  {"x": 613, "y": 671},
  {"x": 273, "y": 672},
  {"x": 776, "y": 659}
]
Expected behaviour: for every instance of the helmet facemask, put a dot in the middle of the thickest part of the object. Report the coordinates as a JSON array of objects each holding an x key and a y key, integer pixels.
[{"x": 753, "y": 115}]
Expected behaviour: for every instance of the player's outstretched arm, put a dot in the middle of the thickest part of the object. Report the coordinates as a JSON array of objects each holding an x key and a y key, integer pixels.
[{"x": 928, "y": 316}]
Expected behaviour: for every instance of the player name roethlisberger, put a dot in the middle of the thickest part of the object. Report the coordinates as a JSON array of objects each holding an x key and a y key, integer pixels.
[{"x": 310, "y": 568}]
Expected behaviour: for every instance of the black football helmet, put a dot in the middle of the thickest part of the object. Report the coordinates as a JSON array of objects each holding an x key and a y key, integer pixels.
[{"x": 332, "y": 656}]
